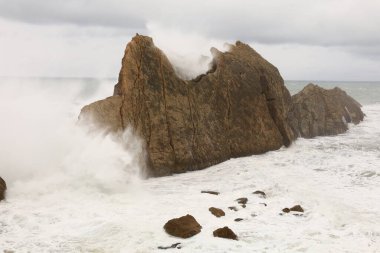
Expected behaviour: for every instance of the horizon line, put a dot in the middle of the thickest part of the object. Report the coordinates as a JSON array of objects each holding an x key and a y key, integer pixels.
[{"x": 87, "y": 77}]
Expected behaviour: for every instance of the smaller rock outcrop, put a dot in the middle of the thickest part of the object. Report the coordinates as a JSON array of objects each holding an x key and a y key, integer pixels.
[
  {"x": 217, "y": 212},
  {"x": 320, "y": 112},
  {"x": 238, "y": 219},
  {"x": 3, "y": 188},
  {"x": 233, "y": 208},
  {"x": 226, "y": 233},
  {"x": 183, "y": 227}
]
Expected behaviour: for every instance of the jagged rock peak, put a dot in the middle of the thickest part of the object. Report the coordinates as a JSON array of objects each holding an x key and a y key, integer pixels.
[{"x": 239, "y": 107}]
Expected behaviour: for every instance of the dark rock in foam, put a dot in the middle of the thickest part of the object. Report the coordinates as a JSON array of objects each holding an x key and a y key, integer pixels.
[{"x": 183, "y": 227}]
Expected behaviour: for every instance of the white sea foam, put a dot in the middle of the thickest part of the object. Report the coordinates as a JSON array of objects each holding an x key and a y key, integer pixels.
[{"x": 80, "y": 200}]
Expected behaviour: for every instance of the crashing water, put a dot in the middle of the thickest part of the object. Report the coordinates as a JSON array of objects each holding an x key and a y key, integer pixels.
[{"x": 74, "y": 191}]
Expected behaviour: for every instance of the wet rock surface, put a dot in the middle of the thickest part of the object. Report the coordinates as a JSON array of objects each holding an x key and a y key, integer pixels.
[{"x": 183, "y": 227}]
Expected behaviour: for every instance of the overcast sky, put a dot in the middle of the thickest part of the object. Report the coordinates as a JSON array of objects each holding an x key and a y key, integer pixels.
[{"x": 306, "y": 40}]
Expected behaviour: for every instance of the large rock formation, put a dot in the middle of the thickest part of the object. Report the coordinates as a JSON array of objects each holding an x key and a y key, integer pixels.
[
  {"x": 238, "y": 108},
  {"x": 319, "y": 112}
]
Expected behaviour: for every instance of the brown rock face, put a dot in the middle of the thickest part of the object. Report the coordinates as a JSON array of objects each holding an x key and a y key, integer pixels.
[
  {"x": 238, "y": 108},
  {"x": 183, "y": 227},
  {"x": 319, "y": 112},
  {"x": 217, "y": 212},
  {"x": 226, "y": 233},
  {"x": 3, "y": 188}
]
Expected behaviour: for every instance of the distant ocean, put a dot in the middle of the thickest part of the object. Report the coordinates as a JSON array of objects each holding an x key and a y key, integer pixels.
[
  {"x": 73, "y": 191},
  {"x": 364, "y": 92}
]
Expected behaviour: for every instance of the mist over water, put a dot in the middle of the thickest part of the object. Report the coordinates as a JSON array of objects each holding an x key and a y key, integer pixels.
[{"x": 43, "y": 147}]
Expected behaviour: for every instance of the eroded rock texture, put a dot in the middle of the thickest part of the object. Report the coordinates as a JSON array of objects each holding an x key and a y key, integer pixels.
[
  {"x": 320, "y": 112},
  {"x": 240, "y": 107}
]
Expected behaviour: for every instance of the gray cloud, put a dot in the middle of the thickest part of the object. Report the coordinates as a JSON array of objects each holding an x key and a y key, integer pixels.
[
  {"x": 323, "y": 22},
  {"x": 81, "y": 12},
  {"x": 315, "y": 30}
]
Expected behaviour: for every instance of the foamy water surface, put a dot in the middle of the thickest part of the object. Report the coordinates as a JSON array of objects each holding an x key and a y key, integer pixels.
[{"x": 77, "y": 192}]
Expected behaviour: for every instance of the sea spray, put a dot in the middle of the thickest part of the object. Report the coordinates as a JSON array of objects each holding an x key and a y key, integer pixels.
[{"x": 43, "y": 149}]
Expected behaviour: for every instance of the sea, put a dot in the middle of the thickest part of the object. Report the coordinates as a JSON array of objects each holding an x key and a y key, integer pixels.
[{"x": 73, "y": 190}]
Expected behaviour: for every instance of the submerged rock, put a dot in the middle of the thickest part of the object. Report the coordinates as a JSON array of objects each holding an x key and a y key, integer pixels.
[
  {"x": 320, "y": 112},
  {"x": 3, "y": 188},
  {"x": 260, "y": 193},
  {"x": 183, "y": 227},
  {"x": 211, "y": 192},
  {"x": 175, "y": 245},
  {"x": 190, "y": 125},
  {"x": 226, "y": 233},
  {"x": 296, "y": 208},
  {"x": 242, "y": 201},
  {"x": 217, "y": 212}
]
